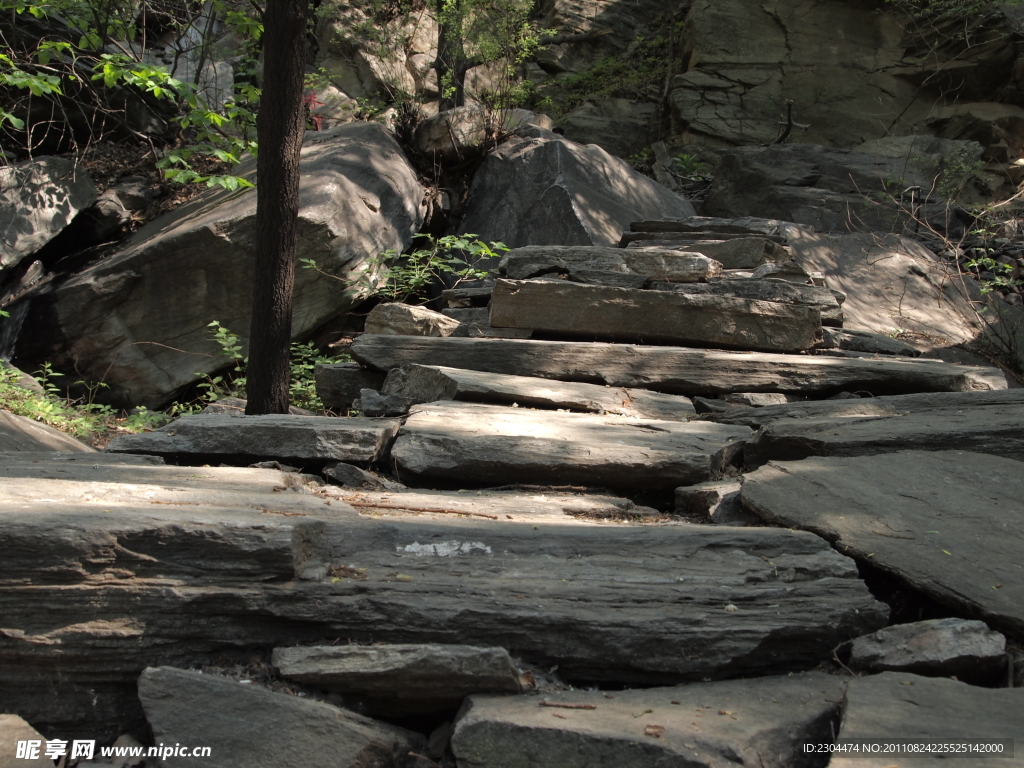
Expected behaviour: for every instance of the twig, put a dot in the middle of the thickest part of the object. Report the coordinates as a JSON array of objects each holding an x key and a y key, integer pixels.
[
  {"x": 565, "y": 705},
  {"x": 439, "y": 510}
]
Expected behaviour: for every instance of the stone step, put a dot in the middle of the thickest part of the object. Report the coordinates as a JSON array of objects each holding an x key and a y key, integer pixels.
[
  {"x": 144, "y": 575},
  {"x": 779, "y": 291},
  {"x": 657, "y": 316},
  {"x": 20, "y": 434},
  {"x": 747, "y": 225},
  {"x": 672, "y": 369},
  {"x": 427, "y": 384},
  {"x": 670, "y": 266},
  {"x": 993, "y": 429},
  {"x": 284, "y": 437},
  {"x": 732, "y": 253},
  {"x": 946, "y": 523},
  {"x": 487, "y": 444}
]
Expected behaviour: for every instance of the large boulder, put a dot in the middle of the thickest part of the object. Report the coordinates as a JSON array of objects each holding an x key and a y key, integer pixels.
[
  {"x": 551, "y": 191},
  {"x": 139, "y": 319},
  {"x": 38, "y": 199}
]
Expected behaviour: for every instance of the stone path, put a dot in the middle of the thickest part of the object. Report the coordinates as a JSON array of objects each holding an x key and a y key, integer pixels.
[{"x": 539, "y": 506}]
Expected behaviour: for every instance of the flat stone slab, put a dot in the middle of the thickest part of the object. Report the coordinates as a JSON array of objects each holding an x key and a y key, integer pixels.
[
  {"x": 338, "y": 384},
  {"x": 299, "y": 438},
  {"x": 760, "y": 722},
  {"x": 676, "y": 370},
  {"x": 733, "y": 252},
  {"x": 487, "y": 444},
  {"x": 896, "y": 706},
  {"x": 866, "y": 341},
  {"x": 252, "y": 726},
  {"x": 667, "y": 265},
  {"x": 426, "y": 384},
  {"x": 18, "y": 433},
  {"x": 947, "y": 523},
  {"x": 404, "y": 677},
  {"x": 967, "y": 650},
  {"x": 13, "y": 733},
  {"x": 665, "y": 316},
  {"x": 745, "y": 225},
  {"x": 153, "y": 565},
  {"x": 779, "y": 291},
  {"x": 993, "y": 429}
]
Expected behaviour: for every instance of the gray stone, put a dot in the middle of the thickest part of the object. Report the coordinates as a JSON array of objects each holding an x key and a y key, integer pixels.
[
  {"x": 475, "y": 322},
  {"x": 945, "y": 523},
  {"x": 467, "y": 297},
  {"x": 427, "y": 384},
  {"x": 865, "y": 341},
  {"x": 299, "y": 438},
  {"x": 555, "y": 192},
  {"x": 140, "y": 566},
  {"x": 338, "y": 384},
  {"x": 18, "y": 433},
  {"x": 14, "y": 730},
  {"x": 993, "y": 429},
  {"x": 394, "y": 319},
  {"x": 740, "y": 226},
  {"x": 462, "y": 132},
  {"x": 236, "y": 407},
  {"x": 654, "y": 316},
  {"x": 126, "y": 319},
  {"x": 775, "y": 290},
  {"x": 732, "y": 253},
  {"x": 89, "y": 458},
  {"x": 38, "y": 199},
  {"x": 401, "y": 678},
  {"x": 251, "y": 726},
  {"x": 620, "y": 126},
  {"x": 756, "y": 399},
  {"x": 968, "y": 650},
  {"x": 356, "y": 477},
  {"x": 467, "y": 442},
  {"x": 894, "y": 706},
  {"x": 718, "y": 503},
  {"x": 761, "y": 722},
  {"x": 373, "y": 403},
  {"x": 676, "y": 370},
  {"x": 670, "y": 266}
]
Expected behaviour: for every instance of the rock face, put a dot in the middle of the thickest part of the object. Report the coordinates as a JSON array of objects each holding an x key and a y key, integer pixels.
[
  {"x": 740, "y": 722},
  {"x": 828, "y": 189},
  {"x": 38, "y": 199},
  {"x": 779, "y": 291},
  {"x": 967, "y": 650},
  {"x": 654, "y": 264},
  {"x": 249, "y": 725},
  {"x": 18, "y": 433},
  {"x": 14, "y": 731},
  {"x": 865, "y": 341},
  {"x": 890, "y": 507},
  {"x": 676, "y": 370},
  {"x": 894, "y": 706},
  {"x": 459, "y": 133},
  {"x": 302, "y": 438},
  {"x": 494, "y": 445},
  {"x": 402, "y": 678},
  {"x": 405, "y": 320},
  {"x": 426, "y": 384},
  {"x": 657, "y": 316},
  {"x": 138, "y": 319},
  {"x": 556, "y": 192}
]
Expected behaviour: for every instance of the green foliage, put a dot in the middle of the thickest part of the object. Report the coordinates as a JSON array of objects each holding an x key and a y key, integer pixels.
[
  {"x": 406, "y": 278},
  {"x": 689, "y": 165},
  {"x": 959, "y": 168}
]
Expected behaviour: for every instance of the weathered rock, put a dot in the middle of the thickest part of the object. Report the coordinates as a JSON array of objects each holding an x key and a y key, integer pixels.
[
  {"x": 458, "y": 133},
  {"x": 994, "y": 429},
  {"x": 475, "y": 322},
  {"x": 828, "y": 189},
  {"x": 490, "y": 444},
  {"x": 761, "y": 722},
  {"x": 657, "y": 316},
  {"x": 90, "y": 458},
  {"x": 373, "y": 403},
  {"x": 732, "y": 253},
  {"x": 718, "y": 503},
  {"x": 18, "y": 433},
  {"x": 38, "y": 199},
  {"x": 116, "y": 556},
  {"x": 427, "y": 384},
  {"x": 780, "y": 291},
  {"x": 249, "y": 725},
  {"x": 756, "y": 399},
  {"x": 21, "y": 745},
  {"x": 357, "y": 477},
  {"x": 946, "y": 523},
  {"x": 741, "y": 226},
  {"x": 896, "y": 706},
  {"x": 396, "y": 679},
  {"x": 126, "y": 319},
  {"x": 620, "y": 126},
  {"x": 299, "y": 438},
  {"x": 236, "y": 407},
  {"x": 394, "y": 319},
  {"x": 865, "y": 341},
  {"x": 555, "y": 192},
  {"x": 673, "y": 369},
  {"x": 654, "y": 264},
  {"x": 968, "y": 650},
  {"x": 11, "y": 375},
  {"x": 871, "y": 406},
  {"x": 467, "y": 297},
  {"x": 338, "y": 384}
]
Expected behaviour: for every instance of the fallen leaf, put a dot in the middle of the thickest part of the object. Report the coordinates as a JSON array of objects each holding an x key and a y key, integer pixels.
[
  {"x": 726, "y": 712},
  {"x": 654, "y": 730},
  {"x": 565, "y": 705},
  {"x": 403, "y": 577},
  {"x": 645, "y": 712},
  {"x": 948, "y": 552}
]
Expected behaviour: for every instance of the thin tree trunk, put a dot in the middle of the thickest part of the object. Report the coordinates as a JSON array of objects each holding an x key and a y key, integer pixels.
[
  {"x": 450, "y": 55},
  {"x": 279, "y": 127}
]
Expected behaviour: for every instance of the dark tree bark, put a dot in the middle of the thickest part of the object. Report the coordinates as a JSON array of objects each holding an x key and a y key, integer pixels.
[
  {"x": 450, "y": 55},
  {"x": 279, "y": 125}
]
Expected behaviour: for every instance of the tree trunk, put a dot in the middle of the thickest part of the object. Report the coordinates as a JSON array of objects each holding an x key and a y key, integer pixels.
[
  {"x": 279, "y": 125},
  {"x": 450, "y": 55}
]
